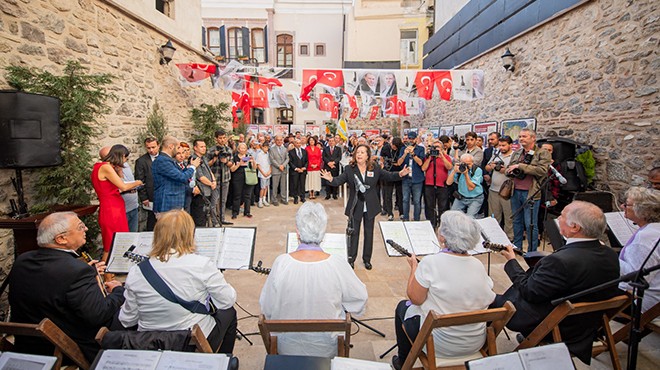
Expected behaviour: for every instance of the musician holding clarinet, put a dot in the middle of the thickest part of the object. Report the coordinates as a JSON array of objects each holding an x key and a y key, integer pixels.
[
  {"x": 51, "y": 282},
  {"x": 448, "y": 282}
]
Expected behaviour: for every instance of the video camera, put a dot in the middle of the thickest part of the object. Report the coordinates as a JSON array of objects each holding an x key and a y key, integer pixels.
[{"x": 459, "y": 143}]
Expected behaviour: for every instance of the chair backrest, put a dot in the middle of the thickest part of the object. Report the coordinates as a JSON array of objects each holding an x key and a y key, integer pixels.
[
  {"x": 64, "y": 345},
  {"x": 151, "y": 340},
  {"x": 266, "y": 327},
  {"x": 498, "y": 317},
  {"x": 609, "y": 308}
]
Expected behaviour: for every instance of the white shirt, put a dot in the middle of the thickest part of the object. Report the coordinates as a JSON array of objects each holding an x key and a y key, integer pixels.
[
  {"x": 191, "y": 277},
  {"x": 455, "y": 284},
  {"x": 634, "y": 254},
  {"x": 263, "y": 160},
  {"x": 311, "y": 290}
]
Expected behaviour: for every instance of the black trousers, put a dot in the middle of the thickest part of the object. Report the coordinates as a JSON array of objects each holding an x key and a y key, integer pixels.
[
  {"x": 398, "y": 191},
  {"x": 151, "y": 221},
  {"x": 435, "y": 197},
  {"x": 411, "y": 327},
  {"x": 358, "y": 218},
  {"x": 198, "y": 209},
  {"x": 387, "y": 189},
  {"x": 241, "y": 193},
  {"x": 297, "y": 184},
  {"x": 223, "y": 334}
]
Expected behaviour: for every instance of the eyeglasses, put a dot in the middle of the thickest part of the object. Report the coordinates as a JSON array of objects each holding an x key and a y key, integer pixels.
[{"x": 624, "y": 205}]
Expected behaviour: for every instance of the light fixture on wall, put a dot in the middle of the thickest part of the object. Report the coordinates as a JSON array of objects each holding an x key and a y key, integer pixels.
[
  {"x": 507, "y": 61},
  {"x": 166, "y": 52}
]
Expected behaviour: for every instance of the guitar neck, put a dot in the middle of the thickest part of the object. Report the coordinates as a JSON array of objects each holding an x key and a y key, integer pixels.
[
  {"x": 397, "y": 247},
  {"x": 501, "y": 247}
]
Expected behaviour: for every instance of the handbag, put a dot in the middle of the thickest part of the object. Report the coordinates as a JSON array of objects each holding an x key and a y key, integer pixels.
[
  {"x": 506, "y": 190},
  {"x": 251, "y": 176}
]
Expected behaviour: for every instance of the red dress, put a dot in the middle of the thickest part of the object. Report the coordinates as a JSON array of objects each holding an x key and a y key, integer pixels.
[{"x": 112, "y": 211}]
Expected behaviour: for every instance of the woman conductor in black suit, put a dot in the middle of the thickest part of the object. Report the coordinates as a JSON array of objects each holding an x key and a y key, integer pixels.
[{"x": 362, "y": 176}]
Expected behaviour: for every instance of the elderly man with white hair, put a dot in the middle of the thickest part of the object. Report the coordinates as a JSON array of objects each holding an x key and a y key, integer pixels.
[
  {"x": 448, "y": 282},
  {"x": 311, "y": 284},
  {"x": 470, "y": 194}
]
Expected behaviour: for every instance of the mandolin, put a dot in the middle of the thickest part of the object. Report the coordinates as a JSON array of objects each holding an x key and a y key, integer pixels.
[
  {"x": 260, "y": 270},
  {"x": 99, "y": 279},
  {"x": 399, "y": 248},
  {"x": 134, "y": 257},
  {"x": 501, "y": 247},
  {"x": 531, "y": 258}
]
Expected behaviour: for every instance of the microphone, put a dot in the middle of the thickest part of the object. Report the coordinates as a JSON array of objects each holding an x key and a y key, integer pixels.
[
  {"x": 558, "y": 175},
  {"x": 362, "y": 188}
]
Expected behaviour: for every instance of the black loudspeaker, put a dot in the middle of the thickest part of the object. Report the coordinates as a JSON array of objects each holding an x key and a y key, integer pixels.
[
  {"x": 29, "y": 130},
  {"x": 603, "y": 199}
]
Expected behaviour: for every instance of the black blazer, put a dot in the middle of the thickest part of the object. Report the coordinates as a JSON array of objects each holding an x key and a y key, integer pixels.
[
  {"x": 570, "y": 269},
  {"x": 334, "y": 157},
  {"x": 371, "y": 195},
  {"x": 143, "y": 173},
  {"x": 47, "y": 283},
  {"x": 297, "y": 162}
]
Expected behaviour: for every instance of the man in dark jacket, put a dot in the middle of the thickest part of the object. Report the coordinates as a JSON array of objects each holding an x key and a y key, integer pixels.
[
  {"x": 143, "y": 173},
  {"x": 581, "y": 264},
  {"x": 52, "y": 283}
]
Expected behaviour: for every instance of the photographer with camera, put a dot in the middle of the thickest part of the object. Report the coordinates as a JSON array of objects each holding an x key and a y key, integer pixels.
[
  {"x": 528, "y": 168},
  {"x": 498, "y": 206},
  {"x": 467, "y": 145},
  {"x": 412, "y": 156},
  {"x": 470, "y": 193},
  {"x": 436, "y": 168},
  {"x": 200, "y": 208},
  {"x": 220, "y": 160}
]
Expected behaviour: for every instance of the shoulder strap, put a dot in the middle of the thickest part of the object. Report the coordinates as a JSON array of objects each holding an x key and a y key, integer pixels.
[{"x": 166, "y": 292}]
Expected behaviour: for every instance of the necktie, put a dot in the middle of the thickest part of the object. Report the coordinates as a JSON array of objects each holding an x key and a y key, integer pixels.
[
  {"x": 330, "y": 150},
  {"x": 299, "y": 153}
]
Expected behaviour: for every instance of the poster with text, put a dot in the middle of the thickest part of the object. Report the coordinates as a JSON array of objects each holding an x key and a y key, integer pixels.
[
  {"x": 372, "y": 132},
  {"x": 435, "y": 131},
  {"x": 266, "y": 129},
  {"x": 313, "y": 130},
  {"x": 484, "y": 128},
  {"x": 461, "y": 130},
  {"x": 253, "y": 129},
  {"x": 281, "y": 130},
  {"x": 512, "y": 128},
  {"x": 446, "y": 130},
  {"x": 355, "y": 133},
  {"x": 297, "y": 128}
]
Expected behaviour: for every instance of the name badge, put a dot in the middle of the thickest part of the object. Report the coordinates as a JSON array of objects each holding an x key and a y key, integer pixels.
[{"x": 370, "y": 174}]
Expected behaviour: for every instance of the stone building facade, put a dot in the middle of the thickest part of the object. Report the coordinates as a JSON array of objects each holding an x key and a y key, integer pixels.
[
  {"x": 107, "y": 36},
  {"x": 591, "y": 75}
]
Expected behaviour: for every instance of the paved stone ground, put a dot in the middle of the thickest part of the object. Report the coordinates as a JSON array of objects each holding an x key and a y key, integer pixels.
[{"x": 385, "y": 284}]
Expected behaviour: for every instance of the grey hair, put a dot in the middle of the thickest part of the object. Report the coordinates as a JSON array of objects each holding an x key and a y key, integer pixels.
[
  {"x": 466, "y": 156},
  {"x": 311, "y": 221},
  {"x": 588, "y": 216},
  {"x": 646, "y": 203},
  {"x": 460, "y": 231},
  {"x": 53, "y": 225},
  {"x": 532, "y": 133}
]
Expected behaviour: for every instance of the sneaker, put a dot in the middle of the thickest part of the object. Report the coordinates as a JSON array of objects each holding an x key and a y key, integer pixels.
[
  {"x": 265, "y": 202},
  {"x": 260, "y": 204}
]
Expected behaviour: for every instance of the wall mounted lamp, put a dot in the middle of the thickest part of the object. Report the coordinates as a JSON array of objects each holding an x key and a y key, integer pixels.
[
  {"x": 166, "y": 52},
  {"x": 507, "y": 61}
]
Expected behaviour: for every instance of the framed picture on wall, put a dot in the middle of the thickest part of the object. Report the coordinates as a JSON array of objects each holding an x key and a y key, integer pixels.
[
  {"x": 446, "y": 130},
  {"x": 434, "y": 131},
  {"x": 463, "y": 129},
  {"x": 512, "y": 128},
  {"x": 482, "y": 129}
]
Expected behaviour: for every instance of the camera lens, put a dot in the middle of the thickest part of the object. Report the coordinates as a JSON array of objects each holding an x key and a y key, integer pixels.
[{"x": 462, "y": 167}]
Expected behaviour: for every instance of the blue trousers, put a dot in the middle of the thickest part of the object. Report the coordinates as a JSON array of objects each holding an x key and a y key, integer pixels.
[
  {"x": 408, "y": 189},
  {"x": 522, "y": 220},
  {"x": 469, "y": 206}
]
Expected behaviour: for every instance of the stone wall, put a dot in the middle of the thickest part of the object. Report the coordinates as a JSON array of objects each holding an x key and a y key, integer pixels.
[
  {"x": 590, "y": 75},
  {"x": 43, "y": 34}
]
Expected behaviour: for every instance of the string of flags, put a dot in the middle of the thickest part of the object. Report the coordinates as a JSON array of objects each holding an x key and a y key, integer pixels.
[{"x": 342, "y": 93}]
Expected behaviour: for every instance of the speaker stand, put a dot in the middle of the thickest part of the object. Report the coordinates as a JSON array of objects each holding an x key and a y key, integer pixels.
[{"x": 19, "y": 210}]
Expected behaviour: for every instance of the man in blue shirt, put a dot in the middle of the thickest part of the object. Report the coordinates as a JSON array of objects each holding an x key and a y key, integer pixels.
[
  {"x": 413, "y": 184},
  {"x": 468, "y": 176}
]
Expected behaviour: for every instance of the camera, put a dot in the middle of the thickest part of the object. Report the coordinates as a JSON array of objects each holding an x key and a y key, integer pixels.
[
  {"x": 462, "y": 167},
  {"x": 498, "y": 166},
  {"x": 433, "y": 152},
  {"x": 459, "y": 143},
  {"x": 516, "y": 173},
  {"x": 411, "y": 143}
]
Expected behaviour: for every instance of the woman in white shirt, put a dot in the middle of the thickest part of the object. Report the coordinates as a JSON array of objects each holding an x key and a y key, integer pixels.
[
  {"x": 451, "y": 281},
  {"x": 311, "y": 284},
  {"x": 191, "y": 277}
]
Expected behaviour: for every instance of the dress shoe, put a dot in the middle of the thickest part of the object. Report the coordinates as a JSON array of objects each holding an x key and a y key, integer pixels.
[
  {"x": 233, "y": 363},
  {"x": 302, "y": 200},
  {"x": 368, "y": 266},
  {"x": 248, "y": 215},
  {"x": 227, "y": 223},
  {"x": 397, "y": 364},
  {"x": 233, "y": 217},
  {"x": 334, "y": 196},
  {"x": 275, "y": 204},
  {"x": 295, "y": 201},
  {"x": 327, "y": 197}
]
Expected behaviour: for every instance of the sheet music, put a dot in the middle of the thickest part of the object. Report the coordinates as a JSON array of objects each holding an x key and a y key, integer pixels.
[
  {"x": 422, "y": 237},
  {"x": 145, "y": 240},
  {"x": 21, "y": 361},
  {"x": 507, "y": 361},
  {"x": 396, "y": 231},
  {"x": 550, "y": 357},
  {"x": 621, "y": 227},
  {"x": 236, "y": 251},
  {"x": 345, "y": 363},
  {"x": 170, "y": 360},
  {"x": 208, "y": 242},
  {"x": 493, "y": 231},
  {"x": 332, "y": 243},
  {"x": 128, "y": 359},
  {"x": 116, "y": 261}
]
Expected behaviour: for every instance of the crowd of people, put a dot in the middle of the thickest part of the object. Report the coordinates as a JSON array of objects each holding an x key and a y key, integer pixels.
[{"x": 183, "y": 189}]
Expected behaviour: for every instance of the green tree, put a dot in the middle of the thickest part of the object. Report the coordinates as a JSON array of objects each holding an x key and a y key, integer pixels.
[
  {"x": 394, "y": 130},
  {"x": 242, "y": 128},
  {"x": 156, "y": 125},
  {"x": 207, "y": 119},
  {"x": 83, "y": 98}
]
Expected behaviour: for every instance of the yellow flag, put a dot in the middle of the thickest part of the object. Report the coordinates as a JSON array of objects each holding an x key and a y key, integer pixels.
[{"x": 342, "y": 129}]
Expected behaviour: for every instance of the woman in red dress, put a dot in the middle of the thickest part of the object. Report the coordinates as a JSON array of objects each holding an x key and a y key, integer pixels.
[
  {"x": 314, "y": 165},
  {"x": 107, "y": 182}
]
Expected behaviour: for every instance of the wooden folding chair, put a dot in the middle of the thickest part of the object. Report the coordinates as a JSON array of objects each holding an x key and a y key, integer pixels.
[
  {"x": 64, "y": 345},
  {"x": 498, "y": 317},
  {"x": 645, "y": 322},
  {"x": 266, "y": 327},
  {"x": 609, "y": 308},
  {"x": 196, "y": 337}
]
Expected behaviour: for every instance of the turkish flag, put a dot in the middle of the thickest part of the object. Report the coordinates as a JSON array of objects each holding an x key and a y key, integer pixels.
[
  {"x": 240, "y": 101},
  {"x": 424, "y": 82},
  {"x": 352, "y": 101},
  {"x": 401, "y": 108},
  {"x": 391, "y": 105},
  {"x": 444, "y": 83},
  {"x": 270, "y": 81},
  {"x": 335, "y": 111},
  {"x": 194, "y": 72},
  {"x": 373, "y": 112},
  {"x": 326, "y": 102},
  {"x": 258, "y": 94},
  {"x": 330, "y": 77}
]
